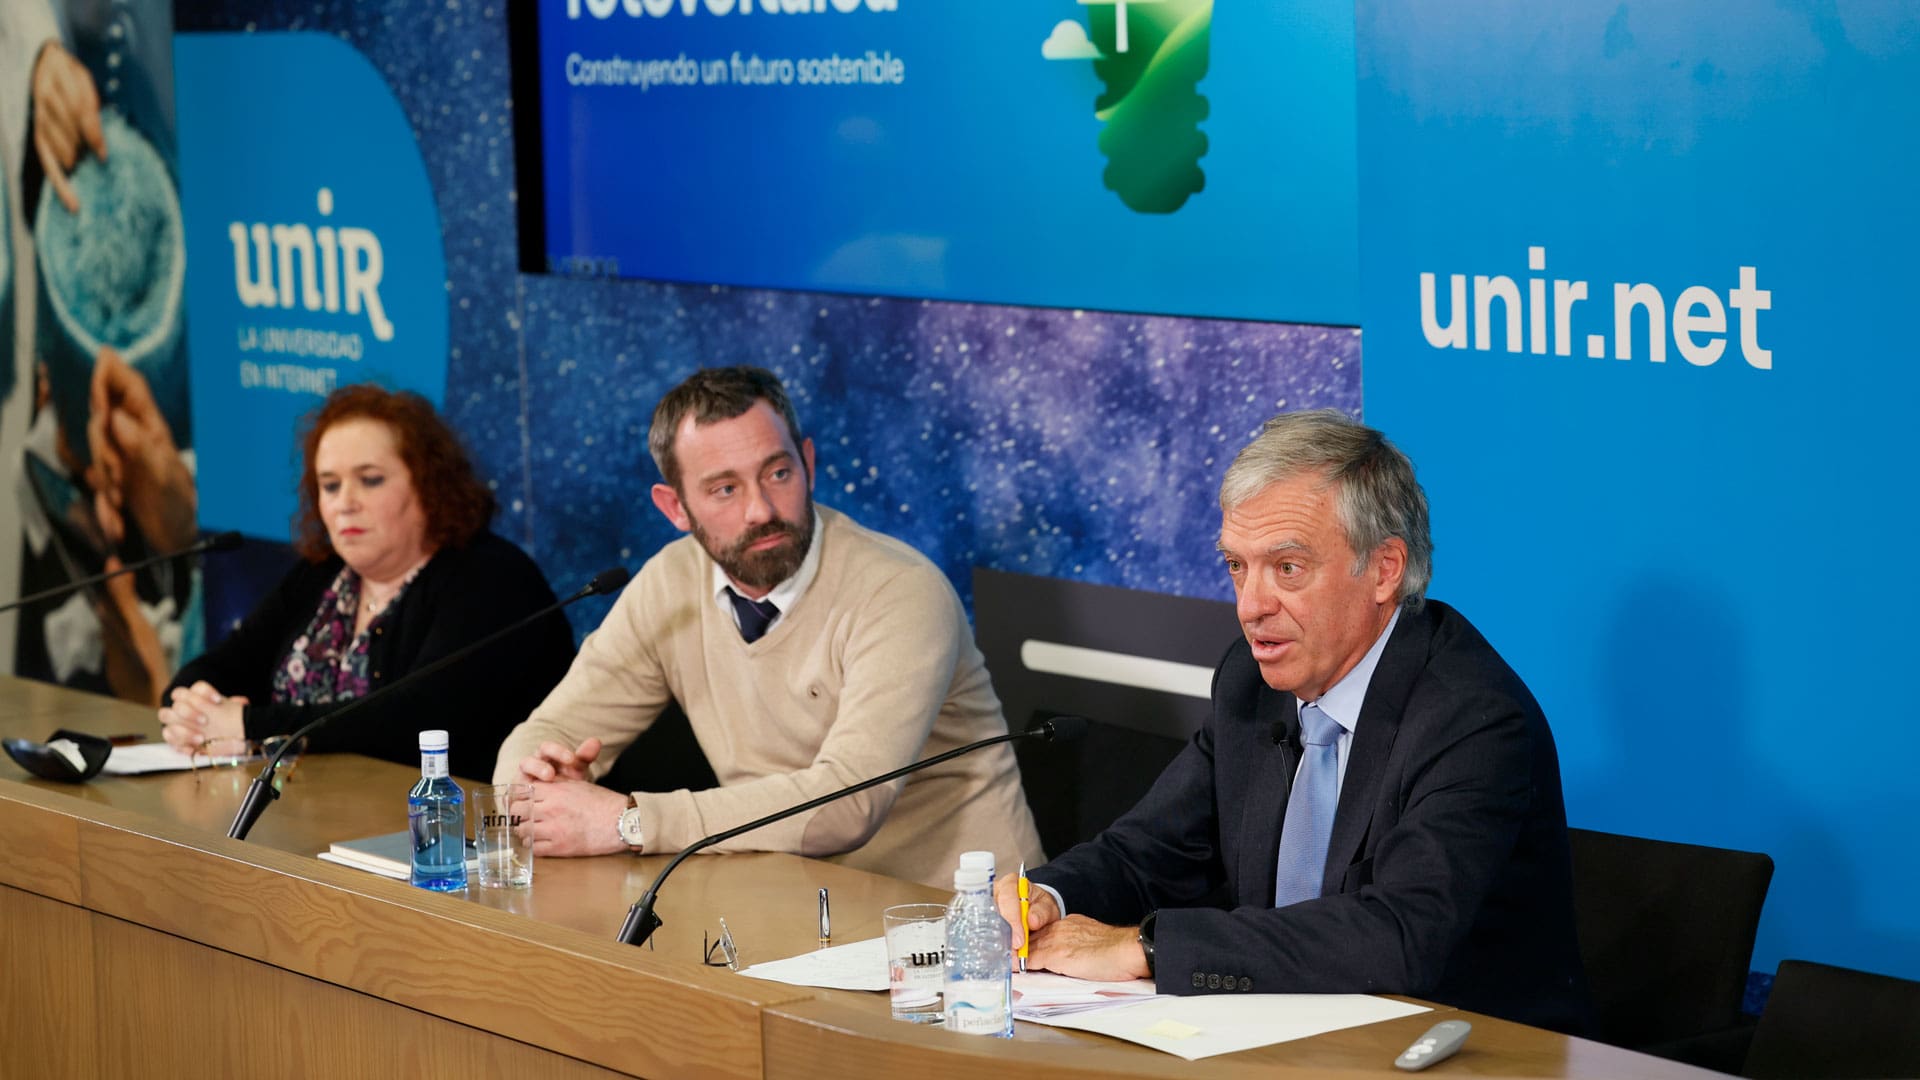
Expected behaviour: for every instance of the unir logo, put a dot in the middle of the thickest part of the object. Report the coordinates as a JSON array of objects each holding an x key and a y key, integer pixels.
[{"x": 335, "y": 267}]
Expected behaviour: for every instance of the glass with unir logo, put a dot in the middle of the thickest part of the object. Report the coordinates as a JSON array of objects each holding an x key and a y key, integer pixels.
[
  {"x": 500, "y": 835},
  {"x": 916, "y": 960}
]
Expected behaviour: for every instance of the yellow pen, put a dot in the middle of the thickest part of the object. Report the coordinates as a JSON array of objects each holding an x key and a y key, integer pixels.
[{"x": 1025, "y": 906}]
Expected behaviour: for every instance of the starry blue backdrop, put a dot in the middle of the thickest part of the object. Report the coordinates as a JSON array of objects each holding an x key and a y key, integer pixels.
[{"x": 1075, "y": 444}]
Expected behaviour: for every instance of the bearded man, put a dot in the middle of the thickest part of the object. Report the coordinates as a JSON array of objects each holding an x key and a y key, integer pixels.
[{"x": 808, "y": 653}]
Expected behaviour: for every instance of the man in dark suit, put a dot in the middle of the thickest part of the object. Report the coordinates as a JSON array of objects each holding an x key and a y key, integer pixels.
[{"x": 1374, "y": 804}]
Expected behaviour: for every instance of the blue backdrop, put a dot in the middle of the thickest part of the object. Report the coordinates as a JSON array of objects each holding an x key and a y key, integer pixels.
[
  {"x": 1697, "y": 567},
  {"x": 315, "y": 250}
]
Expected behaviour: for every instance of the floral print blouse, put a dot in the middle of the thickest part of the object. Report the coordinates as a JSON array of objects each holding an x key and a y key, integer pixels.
[{"x": 328, "y": 661}]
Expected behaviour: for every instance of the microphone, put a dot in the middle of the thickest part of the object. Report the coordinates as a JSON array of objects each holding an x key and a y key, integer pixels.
[
  {"x": 264, "y": 790},
  {"x": 225, "y": 541},
  {"x": 1286, "y": 735},
  {"x": 606, "y": 581},
  {"x": 641, "y": 922}
]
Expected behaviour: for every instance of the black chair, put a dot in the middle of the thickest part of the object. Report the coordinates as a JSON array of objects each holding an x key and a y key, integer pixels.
[
  {"x": 1666, "y": 933},
  {"x": 1078, "y": 789},
  {"x": 1833, "y": 1023}
]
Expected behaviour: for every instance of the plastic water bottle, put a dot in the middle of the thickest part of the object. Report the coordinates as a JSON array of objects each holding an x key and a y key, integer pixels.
[
  {"x": 979, "y": 991},
  {"x": 437, "y": 819},
  {"x": 973, "y": 860}
]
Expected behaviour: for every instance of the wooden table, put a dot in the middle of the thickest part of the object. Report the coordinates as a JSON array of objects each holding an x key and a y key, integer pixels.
[{"x": 137, "y": 940}]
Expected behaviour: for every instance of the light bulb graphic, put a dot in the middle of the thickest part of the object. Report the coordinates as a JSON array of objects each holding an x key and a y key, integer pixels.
[{"x": 1151, "y": 55}]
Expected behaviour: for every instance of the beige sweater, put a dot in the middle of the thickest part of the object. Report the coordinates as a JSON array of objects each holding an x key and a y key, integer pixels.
[{"x": 874, "y": 668}]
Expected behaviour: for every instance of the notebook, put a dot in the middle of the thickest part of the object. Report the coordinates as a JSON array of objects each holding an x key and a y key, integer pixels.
[{"x": 389, "y": 855}]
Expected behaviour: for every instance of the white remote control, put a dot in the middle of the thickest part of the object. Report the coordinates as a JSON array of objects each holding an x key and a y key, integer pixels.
[{"x": 1438, "y": 1044}]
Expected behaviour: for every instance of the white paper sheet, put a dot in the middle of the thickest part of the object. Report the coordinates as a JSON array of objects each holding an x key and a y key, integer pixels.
[
  {"x": 861, "y": 965},
  {"x": 145, "y": 758},
  {"x": 1209, "y": 1024}
]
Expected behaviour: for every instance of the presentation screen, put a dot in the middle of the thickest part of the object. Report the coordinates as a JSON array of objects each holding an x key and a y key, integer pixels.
[{"x": 1133, "y": 155}]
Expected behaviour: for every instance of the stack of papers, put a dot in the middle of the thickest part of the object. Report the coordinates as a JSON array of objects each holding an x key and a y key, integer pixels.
[
  {"x": 1189, "y": 1027},
  {"x": 1041, "y": 995}
]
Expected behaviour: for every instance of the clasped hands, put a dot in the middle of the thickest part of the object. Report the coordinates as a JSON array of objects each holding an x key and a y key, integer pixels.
[
  {"x": 1074, "y": 944},
  {"x": 571, "y": 814},
  {"x": 198, "y": 713}
]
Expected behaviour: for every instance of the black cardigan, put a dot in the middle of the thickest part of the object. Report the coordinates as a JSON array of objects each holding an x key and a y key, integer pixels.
[{"x": 460, "y": 596}]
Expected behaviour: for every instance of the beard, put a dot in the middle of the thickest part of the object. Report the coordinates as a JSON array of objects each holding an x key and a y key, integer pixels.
[{"x": 761, "y": 569}]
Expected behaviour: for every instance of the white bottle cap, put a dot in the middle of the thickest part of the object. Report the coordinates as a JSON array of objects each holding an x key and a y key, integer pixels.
[
  {"x": 969, "y": 877},
  {"x": 433, "y": 740},
  {"x": 977, "y": 860}
]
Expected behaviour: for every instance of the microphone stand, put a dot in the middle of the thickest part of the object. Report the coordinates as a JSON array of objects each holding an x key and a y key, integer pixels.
[
  {"x": 265, "y": 790},
  {"x": 225, "y": 541},
  {"x": 641, "y": 921}
]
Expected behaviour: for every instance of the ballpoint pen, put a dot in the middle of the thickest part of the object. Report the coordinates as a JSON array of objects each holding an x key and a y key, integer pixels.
[
  {"x": 826, "y": 923},
  {"x": 1025, "y": 906}
]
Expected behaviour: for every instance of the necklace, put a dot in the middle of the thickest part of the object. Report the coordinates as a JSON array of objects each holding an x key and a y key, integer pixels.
[{"x": 375, "y": 607}]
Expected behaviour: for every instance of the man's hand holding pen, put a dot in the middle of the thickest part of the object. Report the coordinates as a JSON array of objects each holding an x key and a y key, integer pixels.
[{"x": 1074, "y": 944}]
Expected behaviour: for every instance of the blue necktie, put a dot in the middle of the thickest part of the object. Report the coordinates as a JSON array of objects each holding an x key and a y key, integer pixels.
[
  {"x": 754, "y": 616},
  {"x": 1310, "y": 807}
]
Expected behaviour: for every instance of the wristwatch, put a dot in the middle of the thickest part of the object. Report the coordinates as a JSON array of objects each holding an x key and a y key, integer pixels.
[
  {"x": 631, "y": 833},
  {"x": 1146, "y": 939}
]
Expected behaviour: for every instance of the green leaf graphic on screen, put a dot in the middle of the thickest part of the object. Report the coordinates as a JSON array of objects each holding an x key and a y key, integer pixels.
[{"x": 1151, "y": 54}]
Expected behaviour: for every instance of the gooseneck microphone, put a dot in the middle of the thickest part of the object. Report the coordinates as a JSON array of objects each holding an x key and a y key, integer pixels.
[
  {"x": 641, "y": 922},
  {"x": 264, "y": 790},
  {"x": 225, "y": 541}
]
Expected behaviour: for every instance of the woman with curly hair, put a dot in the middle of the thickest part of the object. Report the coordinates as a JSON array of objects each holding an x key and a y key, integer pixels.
[{"x": 398, "y": 569}]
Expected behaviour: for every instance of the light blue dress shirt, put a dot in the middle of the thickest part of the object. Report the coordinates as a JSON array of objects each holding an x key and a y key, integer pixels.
[
  {"x": 1341, "y": 702},
  {"x": 1343, "y": 699}
]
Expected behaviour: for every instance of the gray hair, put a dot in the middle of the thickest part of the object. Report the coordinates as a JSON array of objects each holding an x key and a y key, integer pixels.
[{"x": 1376, "y": 496}]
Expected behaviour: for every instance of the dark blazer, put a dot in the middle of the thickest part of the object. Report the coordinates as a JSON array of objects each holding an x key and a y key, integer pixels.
[
  {"x": 461, "y": 595},
  {"x": 1447, "y": 874}
]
